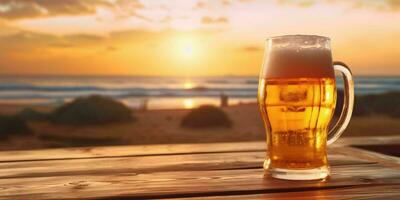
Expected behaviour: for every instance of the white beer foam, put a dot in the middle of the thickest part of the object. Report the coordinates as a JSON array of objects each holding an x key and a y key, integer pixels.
[{"x": 298, "y": 57}]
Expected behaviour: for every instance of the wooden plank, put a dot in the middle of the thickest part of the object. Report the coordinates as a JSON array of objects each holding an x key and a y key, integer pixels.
[
  {"x": 382, "y": 192},
  {"x": 187, "y": 183},
  {"x": 387, "y": 160},
  {"x": 191, "y": 162},
  {"x": 370, "y": 140},
  {"x": 128, "y": 151},
  {"x": 160, "y": 170},
  {"x": 148, "y": 150}
]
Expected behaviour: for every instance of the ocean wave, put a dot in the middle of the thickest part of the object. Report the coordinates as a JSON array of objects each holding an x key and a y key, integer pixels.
[
  {"x": 16, "y": 87},
  {"x": 240, "y": 87},
  {"x": 252, "y": 82},
  {"x": 194, "y": 92},
  {"x": 219, "y": 81}
]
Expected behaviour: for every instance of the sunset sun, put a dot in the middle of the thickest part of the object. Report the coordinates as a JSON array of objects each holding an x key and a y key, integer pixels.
[{"x": 187, "y": 48}]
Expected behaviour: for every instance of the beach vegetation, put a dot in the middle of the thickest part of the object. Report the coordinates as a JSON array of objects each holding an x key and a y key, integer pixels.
[
  {"x": 92, "y": 110},
  {"x": 13, "y": 125},
  {"x": 206, "y": 116},
  {"x": 372, "y": 104},
  {"x": 30, "y": 114},
  {"x": 384, "y": 104}
]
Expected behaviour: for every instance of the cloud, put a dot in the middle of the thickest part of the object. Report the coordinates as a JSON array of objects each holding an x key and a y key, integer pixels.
[
  {"x": 61, "y": 45},
  {"x": 394, "y": 4},
  {"x": 127, "y": 8},
  {"x": 25, "y": 41},
  {"x": 17, "y": 9},
  {"x": 25, "y": 37},
  {"x": 246, "y": 1},
  {"x": 300, "y": 3},
  {"x": 130, "y": 4},
  {"x": 210, "y": 20},
  {"x": 82, "y": 38},
  {"x": 111, "y": 48},
  {"x": 166, "y": 19},
  {"x": 200, "y": 5},
  {"x": 383, "y": 5},
  {"x": 211, "y": 4},
  {"x": 251, "y": 48},
  {"x": 225, "y": 2}
]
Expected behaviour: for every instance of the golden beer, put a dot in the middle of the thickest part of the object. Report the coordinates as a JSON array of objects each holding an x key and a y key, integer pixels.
[
  {"x": 297, "y": 98},
  {"x": 297, "y": 112}
]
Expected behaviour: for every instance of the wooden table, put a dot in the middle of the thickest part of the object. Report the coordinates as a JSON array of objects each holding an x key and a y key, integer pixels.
[{"x": 192, "y": 171}]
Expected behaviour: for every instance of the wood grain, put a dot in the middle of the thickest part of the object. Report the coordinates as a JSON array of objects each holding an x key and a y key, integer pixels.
[
  {"x": 128, "y": 151},
  {"x": 187, "y": 183},
  {"x": 149, "y": 150},
  {"x": 382, "y": 192},
  {"x": 191, "y": 162},
  {"x": 370, "y": 140},
  {"x": 215, "y": 171},
  {"x": 387, "y": 160}
]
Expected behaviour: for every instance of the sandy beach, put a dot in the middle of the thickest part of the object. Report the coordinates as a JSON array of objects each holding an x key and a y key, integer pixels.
[{"x": 163, "y": 126}]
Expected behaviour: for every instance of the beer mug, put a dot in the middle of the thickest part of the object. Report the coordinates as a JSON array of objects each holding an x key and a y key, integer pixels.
[{"x": 297, "y": 98}]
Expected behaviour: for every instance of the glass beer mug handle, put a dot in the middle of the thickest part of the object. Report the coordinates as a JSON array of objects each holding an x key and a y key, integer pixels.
[{"x": 348, "y": 102}]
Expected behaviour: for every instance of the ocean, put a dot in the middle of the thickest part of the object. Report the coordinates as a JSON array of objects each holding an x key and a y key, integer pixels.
[{"x": 155, "y": 92}]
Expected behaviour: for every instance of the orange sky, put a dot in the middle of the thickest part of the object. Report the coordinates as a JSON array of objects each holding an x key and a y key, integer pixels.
[{"x": 188, "y": 38}]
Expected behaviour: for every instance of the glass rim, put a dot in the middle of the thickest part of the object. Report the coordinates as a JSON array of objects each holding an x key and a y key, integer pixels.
[{"x": 298, "y": 36}]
